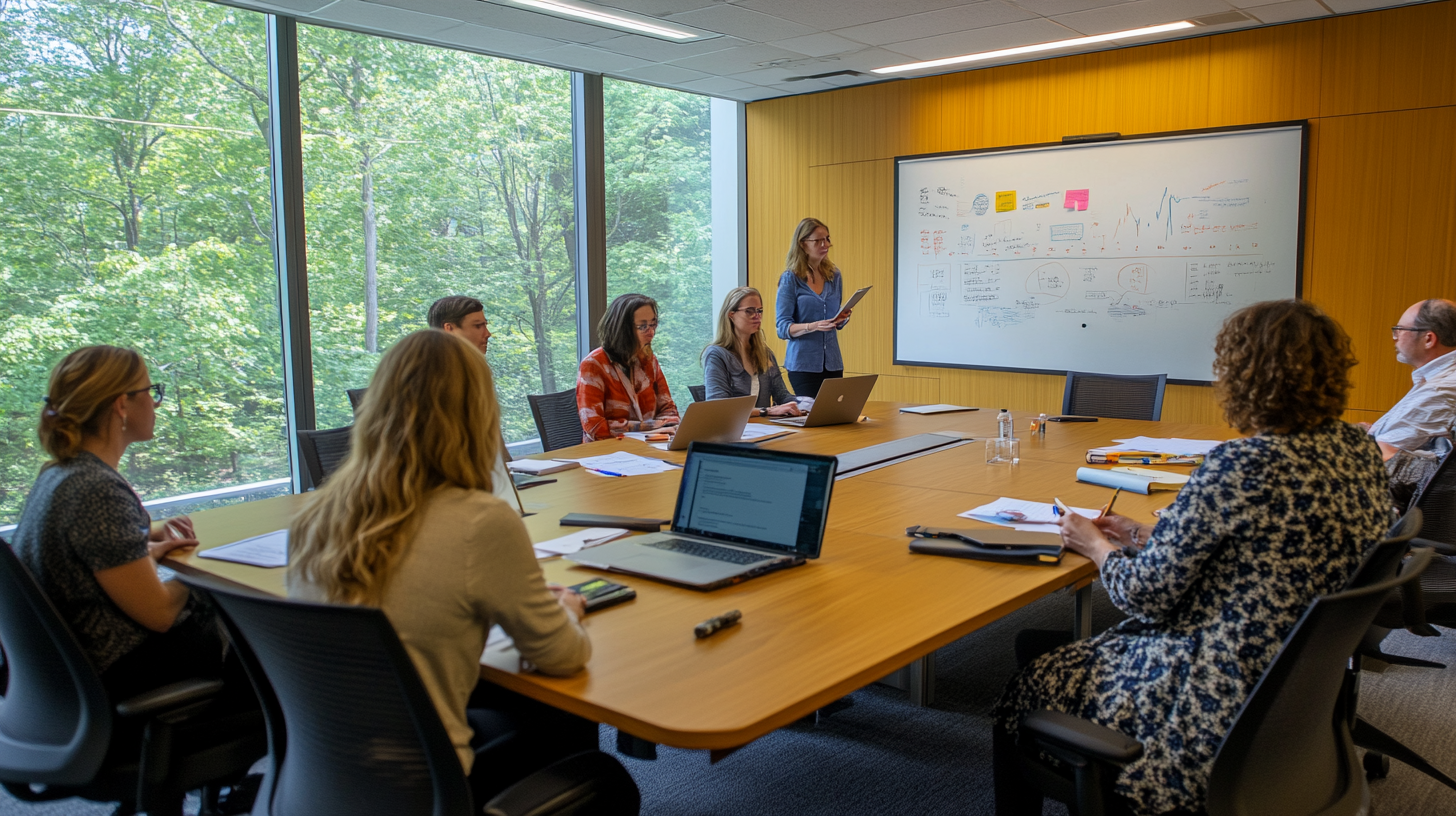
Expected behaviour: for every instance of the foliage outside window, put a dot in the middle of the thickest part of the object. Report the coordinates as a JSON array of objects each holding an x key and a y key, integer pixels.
[
  {"x": 430, "y": 172},
  {"x": 135, "y": 211},
  {"x": 659, "y": 217}
]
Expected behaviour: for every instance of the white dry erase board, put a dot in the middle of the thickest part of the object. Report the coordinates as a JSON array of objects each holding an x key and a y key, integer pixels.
[{"x": 1118, "y": 257}]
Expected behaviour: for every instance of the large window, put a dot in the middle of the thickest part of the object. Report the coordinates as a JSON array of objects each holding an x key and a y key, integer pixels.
[
  {"x": 431, "y": 172},
  {"x": 135, "y": 211},
  {"x": 659, "y": 217}
]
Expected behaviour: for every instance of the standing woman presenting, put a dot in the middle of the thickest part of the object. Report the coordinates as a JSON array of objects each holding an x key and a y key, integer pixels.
[{"x": 806, "y": 311}]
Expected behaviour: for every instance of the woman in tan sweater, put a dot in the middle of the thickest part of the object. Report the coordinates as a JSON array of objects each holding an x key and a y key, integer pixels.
[{"x": 408, "y": 524}]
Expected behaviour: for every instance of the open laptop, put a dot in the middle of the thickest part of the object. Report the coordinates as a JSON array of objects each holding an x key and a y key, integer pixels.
[
  {"x": 839, "y": 401},
  {"x": 741, "y": 512},
  {"x": 719, "y": 420}
]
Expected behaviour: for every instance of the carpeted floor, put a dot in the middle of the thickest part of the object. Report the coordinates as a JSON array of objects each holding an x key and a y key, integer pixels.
[{"x": 881, "y": 756}]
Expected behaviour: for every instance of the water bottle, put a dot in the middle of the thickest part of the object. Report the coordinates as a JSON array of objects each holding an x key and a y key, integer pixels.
[
  {"x": 1003, "y": 424},
  {"x": 1041, "y": 423}
]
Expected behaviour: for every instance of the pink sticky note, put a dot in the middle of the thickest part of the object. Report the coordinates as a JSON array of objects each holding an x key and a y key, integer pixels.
[{"x": 1076, "y": 200}]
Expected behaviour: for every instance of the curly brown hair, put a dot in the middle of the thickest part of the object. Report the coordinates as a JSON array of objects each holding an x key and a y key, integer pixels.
[{"x": 1282, "y": 366}]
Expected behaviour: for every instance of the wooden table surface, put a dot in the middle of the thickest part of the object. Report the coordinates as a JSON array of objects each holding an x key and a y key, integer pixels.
[{"x": 809, "y": 635}]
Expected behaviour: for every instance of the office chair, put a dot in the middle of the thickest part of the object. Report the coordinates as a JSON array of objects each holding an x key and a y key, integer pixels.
[
  {"x": 351, "y": 729},
  {"x": 557, "y": 420},
  {"x": 699, "y": 392},
  {"x": 1290, "y": 749},
  {"x": 58, "y": 729},
  {"x": 1115, "y": 396},
  {"x": 322, "y": 452},
  {"x": 356, "y": 398}
]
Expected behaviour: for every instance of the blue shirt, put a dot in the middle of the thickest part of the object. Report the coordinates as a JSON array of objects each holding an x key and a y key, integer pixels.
[{"x": 797, "y": 303}]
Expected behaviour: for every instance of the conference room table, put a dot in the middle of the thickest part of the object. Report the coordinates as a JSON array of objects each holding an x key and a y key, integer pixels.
[{"x": 866, "y": 610}]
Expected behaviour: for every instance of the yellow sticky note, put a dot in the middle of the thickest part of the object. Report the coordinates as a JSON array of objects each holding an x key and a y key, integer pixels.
[{"x": 1005, "y": 201}]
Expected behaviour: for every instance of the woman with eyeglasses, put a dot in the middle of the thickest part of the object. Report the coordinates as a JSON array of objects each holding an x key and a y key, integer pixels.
[
  {"x": 807, "y": 311},
  {"x": 739, "y": 363},
  {"x": 91, "y": 545},
  {"x": 620, "y": 387}
]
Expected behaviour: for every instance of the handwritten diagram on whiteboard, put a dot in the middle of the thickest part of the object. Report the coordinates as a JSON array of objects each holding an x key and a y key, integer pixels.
[{"x": 1117, "y": 257}]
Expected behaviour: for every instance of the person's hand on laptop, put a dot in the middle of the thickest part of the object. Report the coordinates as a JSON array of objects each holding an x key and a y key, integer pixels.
[{"x": 787, "y": 409}]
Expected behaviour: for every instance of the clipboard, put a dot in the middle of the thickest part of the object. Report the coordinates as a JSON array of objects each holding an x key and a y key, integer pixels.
[{"x": 854, "y": 299}]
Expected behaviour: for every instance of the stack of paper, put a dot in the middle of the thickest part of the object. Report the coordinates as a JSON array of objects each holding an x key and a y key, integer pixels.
[
  {"x": 939, "y": 408},
  {"x": 625, "y": 464},
  {"x": 578, "y": 540},
  {"x": 540, "y": 467},
  {"x": 1030, "y": 516}
]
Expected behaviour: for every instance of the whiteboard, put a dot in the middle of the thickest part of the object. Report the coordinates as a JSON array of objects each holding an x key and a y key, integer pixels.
[{"x": 1119, "y": 257}]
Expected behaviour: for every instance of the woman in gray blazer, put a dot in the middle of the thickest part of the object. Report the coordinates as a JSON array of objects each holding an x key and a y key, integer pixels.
[{"x": 739, "y": 362}]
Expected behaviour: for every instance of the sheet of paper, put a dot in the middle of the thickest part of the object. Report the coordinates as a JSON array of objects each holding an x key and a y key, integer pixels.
[
  {"x": 1151, "y": 444},
  {"x": 1076, "y": 200},
  {"x": 625, "y": 464},
  {"x": 267, "y": 550},
  {"x": 1039, "y": 516},
  {"x": 938, "y": 408},
  {"x": 567, "y": 544}
]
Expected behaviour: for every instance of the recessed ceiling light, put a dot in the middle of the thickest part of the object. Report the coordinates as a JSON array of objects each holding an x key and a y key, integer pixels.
[
  {"x": 614, "y": 18},
  {"x": 1032, "y": 49}
]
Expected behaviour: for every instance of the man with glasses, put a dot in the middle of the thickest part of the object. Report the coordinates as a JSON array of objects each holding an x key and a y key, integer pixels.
[{"x": 1421, "y": 422}]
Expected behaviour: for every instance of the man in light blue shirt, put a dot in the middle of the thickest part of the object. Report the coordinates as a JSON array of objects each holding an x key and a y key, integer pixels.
[{"x": 1425, "y": 339}]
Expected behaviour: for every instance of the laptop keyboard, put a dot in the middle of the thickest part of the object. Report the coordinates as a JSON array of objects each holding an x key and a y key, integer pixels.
[
  {"x": 798, "y": 420},
  {"x": 698, "y": 548}
]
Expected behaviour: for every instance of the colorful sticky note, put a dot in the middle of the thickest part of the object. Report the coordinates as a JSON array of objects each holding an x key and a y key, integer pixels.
[
  {"x": 1005, "y": 201},
  {"x": 1076, "y": 200}
]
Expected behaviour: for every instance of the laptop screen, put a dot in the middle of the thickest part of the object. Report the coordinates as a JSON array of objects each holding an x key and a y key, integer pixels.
[{"x": 769, "y": 499}]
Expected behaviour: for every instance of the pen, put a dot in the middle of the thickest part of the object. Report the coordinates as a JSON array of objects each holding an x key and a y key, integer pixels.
[
  {"x": 712, "y": 625},
  {"x": 605, "y": 472},
  {"x": 1060, "y": 509},
  {"x": 1108, "y": 507}
]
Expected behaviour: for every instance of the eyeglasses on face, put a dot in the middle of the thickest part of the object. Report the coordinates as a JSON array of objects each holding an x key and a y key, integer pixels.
[
  {"x": 824, "y": 241},
  {"x": 1396, "y": 330},
  {"x": 158, "y": 391},
  {"x": 750, "y": 311},
  {"x": 647, "y": 327}
]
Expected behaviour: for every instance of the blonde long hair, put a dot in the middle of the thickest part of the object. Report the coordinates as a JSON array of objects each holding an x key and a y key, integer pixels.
[
  {"x": 428, "y": 421},
  {"x": 798, "y": 260},
  {"x": 727, "y": 336},
  {"x": 83, "y": 387}
]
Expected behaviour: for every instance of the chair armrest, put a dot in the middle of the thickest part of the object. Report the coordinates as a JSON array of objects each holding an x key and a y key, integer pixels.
[
  {"x": 1062, "y": 730},
  {"x": 1441, "y": 547},
  {"x": 588, "y": 782},
  {"x": 168, "y": 697}
]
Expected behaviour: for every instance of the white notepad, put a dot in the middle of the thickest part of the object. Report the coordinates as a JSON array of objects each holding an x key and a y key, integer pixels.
[{"x": 267, "y": 550}]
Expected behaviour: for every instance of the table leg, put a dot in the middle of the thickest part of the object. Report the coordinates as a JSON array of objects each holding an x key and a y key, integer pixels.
[
  {"x": 1082, "y": 613},
  {"x": 635, "y": 747},
  {"x": 922, "y": 681}
]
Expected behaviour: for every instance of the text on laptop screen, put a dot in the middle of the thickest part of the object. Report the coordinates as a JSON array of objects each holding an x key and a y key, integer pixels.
[{"x": 754, "y": 499}]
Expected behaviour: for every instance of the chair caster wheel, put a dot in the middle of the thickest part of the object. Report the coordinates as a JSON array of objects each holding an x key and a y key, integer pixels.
[{"x": 1377, "y": 766}]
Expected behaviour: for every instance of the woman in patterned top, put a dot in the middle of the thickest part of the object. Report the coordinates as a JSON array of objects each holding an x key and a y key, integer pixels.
[
  {"x": 90, "y": 544},
  {"x": 620, "y": 387},
  {"x": 1267, "y": 524}
]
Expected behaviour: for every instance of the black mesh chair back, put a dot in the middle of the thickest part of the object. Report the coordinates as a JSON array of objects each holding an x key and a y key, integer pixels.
[
  {"x": 322, "y": 453},
  {"x": 351, "y": 728},
  {"x": 699, "y": 392},
  {"x": 55, "y": 718},
  {"x": 557, "y": 420},
  {"x": 356, "y": 398},
  {"x": 1437, "y": 500},
  {"x": 1289, "y": 751},
  {"x": 1115, "y": 396}
]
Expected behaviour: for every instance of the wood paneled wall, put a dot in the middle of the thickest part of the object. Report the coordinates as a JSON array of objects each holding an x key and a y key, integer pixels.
[{"x": 1380, "y": 92}]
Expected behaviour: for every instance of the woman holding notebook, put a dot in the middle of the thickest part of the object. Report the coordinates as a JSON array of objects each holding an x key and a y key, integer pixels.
[
  {"x": 807, "y": 309},
  {"x": 739, "y": 363},
  {"x": 1268, "y": 523}
]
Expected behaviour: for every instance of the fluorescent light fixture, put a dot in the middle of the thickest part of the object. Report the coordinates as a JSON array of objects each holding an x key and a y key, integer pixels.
[
  {"x": 1032, "y": 49},
  {"x": 613, "y": 18}
]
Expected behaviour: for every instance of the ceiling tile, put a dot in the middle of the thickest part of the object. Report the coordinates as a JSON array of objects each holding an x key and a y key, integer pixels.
[
  {"x": 803, "y": 86},
  {"x": 657, "y": 8},
  {"x": 737, "y": 60},
  {"x": 755, "y": 93},
  {"x": 384, "y": 19},
  {"x": 818, "y": 45},
  {"x": 655, "y": 50},
  {"x": 1349, "y": 6},
  {"x": 716, "y": 85},
  {"x": 1285, "y": 12},
  {"x": 771, "y": 76},
  {"x": 670, "y": 74},
  {"x": 492, "y": 40},
  {"x": 1139, "y": 14},
  {"x": 984, "y": 39},
  {"x": 824, "y": 16},
  {"x": 871, "y": 58},
  {"x": 586, "y": 58},
  {"x": 304, "y": 6},
  {"x": 741, "y": 22},
  {"x": 1051, "y": 8},
  {"x": 496, "y": 15},
  {"x": 961, "y": 18}
]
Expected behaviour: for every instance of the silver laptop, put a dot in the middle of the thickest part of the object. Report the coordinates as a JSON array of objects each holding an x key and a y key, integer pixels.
[
  {"x": 719, "y": 420},
  {"x": 839, "y": 401},
  {"x": 741, "y": 512}
]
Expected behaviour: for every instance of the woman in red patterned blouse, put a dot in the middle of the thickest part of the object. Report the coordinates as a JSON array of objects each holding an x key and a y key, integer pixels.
[{"x": 620, "y": 386}]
